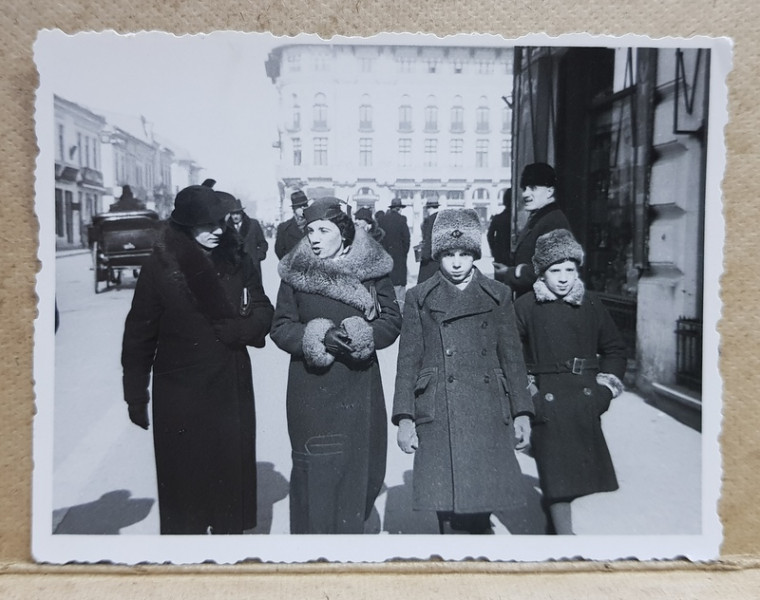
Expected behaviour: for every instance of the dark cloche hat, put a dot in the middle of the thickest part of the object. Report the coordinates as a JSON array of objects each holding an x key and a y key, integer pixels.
[
  {"x": 198, "y": 205},
  {"x": 326, "y": 208},
  {"x": 298, "y": 199},
  {"x": 364, "y": 214},
  {"x": 555, "y": 247},
  {"x": 538, "y": 174}
]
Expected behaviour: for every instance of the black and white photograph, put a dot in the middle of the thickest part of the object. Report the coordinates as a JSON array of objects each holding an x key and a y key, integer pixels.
[{"x": 364, "y": 299}]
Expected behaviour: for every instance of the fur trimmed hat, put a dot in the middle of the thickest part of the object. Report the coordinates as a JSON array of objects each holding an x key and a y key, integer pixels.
[
  {"x": 456, "y": 229},
  {"x": 554, "y": 247}
]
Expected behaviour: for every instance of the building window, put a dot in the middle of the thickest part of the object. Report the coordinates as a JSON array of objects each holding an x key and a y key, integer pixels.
[
  {"x": 481, "y": 153},
  {"x": 295, "y": 114},
  {"x": 79, "y": 149},
  {"x": 86, "y": 151},
  {"x": 294, "y": 62},
  {"x": 405, "y": 152},
  {"x": 61, "y": 149},
  {"x": 365, "y": 114},
  {"x": 456, "y": 147},
  {"x": 482, "y": 116},
  {"x": 455, "y": 195},
  {"x": 95, "y": 153},
  {"x": 365, "y": 152},
  {"x": 320, "y": 112},
  {"x": 431, "y": 152},
  {"x": 485, "y": 67},
  {"x": 320, "y": 151},
  {"x": 432, "y": 65},
  {"x": 405, "y": 115},
  {"x": 296, "y": 152},
  {"x": 405, "y": 64},
  {"x": 506, "y": 119},
  {"x": 320, "y": 63},
  {"x": 505, "y": 158},
  {"x": 60, "y": 229},
  {"x": 366, "y": 64},
  {"x": 480, "y": 194},
  {"x": 458, "y": 66},
  {"x": 431, "y": 116},
  {"x": 457, "y": 116}
]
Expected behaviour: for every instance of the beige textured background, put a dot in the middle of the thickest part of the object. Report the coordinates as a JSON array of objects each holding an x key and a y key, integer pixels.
[{"x": 736, "y": 575}]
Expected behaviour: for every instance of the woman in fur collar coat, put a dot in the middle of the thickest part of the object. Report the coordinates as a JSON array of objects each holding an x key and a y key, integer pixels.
[
  {"x": 461, "y": 401},
  {"x": 577, "y": 359},
  {"x": 335, "y": 307},
  {"x": 196, "y": 307}
]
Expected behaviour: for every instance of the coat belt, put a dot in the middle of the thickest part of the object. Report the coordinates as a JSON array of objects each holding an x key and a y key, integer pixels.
[{"x": 576, "y": 366}]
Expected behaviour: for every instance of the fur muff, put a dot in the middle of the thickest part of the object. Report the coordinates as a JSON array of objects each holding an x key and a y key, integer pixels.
[
  {"x": 362, "y": 338},
  {"x": 313, "y": 344},
  {"x": 554, "y": 247},
  {"x": 456, "y": 229},
  {"x": 339, "y": 278},
  {"x": 610, "y": 381},
  {"x": 574, "y": 296}
]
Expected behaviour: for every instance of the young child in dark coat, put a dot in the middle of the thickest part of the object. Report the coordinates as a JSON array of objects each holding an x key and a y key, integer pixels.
[
  {"x": 576, "y": 359},
  {"x": 461, "y": 401}
]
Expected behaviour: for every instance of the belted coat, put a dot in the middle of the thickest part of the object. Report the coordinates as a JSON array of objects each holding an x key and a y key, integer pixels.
[
  {"x": 336, "y": 413},
  {"x": 461, "y": 376},
  {"x": 568, "y": 443}
]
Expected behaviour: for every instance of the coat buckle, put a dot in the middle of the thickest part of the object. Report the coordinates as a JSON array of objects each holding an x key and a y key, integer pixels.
[{"x": 577, "y": 366}]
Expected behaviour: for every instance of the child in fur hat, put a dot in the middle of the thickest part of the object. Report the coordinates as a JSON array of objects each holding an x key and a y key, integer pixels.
[
  {"x": 576, "y": 359},
  {"x": 461, "y": 401}
]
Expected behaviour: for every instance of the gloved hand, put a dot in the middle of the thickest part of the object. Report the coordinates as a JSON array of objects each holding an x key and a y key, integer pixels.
[
  {"x": 337, "y": 342},
  {"x": 407, "y": 436},
  {"x": 227, "y": 331},
  {"x": 605, "y": 397},
  {"x": 522, "y": 432},
  {"x": 138, "y": 414}
]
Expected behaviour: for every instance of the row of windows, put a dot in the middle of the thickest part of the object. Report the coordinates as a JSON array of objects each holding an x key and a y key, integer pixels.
[
  {"x": 430, "y": 157},
  {"x": 405, "y": 115},
  {"x": 451, "y": 195},
  {"x": 85, "y": 153}
]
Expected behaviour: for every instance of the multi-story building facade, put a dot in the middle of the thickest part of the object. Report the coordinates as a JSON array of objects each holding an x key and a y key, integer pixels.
[
  {"x": 368, "y": 123},
  {"x": 79, "y": 184}
]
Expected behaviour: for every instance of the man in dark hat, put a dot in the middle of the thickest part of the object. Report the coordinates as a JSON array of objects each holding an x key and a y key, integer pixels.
[
  {"x": 291, "y": 231},
  {"x": 126, "y": 202},
  {"x": 499, "y": 230},
  {"x": 428, "y": 265},
  {"x": 538, "y": 181},
  {"x": 396, "y": 243},
  {"x": 249, "y": 231}
]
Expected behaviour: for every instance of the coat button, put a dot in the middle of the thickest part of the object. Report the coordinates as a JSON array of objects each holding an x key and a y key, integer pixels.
[
  {"x": 446, "y": 324},
  {"x": 484, "y": 324},
  {"x": 587, "y": 391},
  {"x": 483, "y": 352},
  {"x": 449, "y": 352},
  {"x": 549, "y": 397},
  {"x": 450, "y": 379},
  {"x": 486, "y": 379}
]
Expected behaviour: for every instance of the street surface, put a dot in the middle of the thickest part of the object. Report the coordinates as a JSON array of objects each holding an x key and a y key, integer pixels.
[{"x": 104, "y": 476}]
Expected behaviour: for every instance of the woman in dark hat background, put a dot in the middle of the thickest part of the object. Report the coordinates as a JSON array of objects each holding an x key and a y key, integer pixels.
[
  {"x": 363, "y": 218},
  {"x": 461, "y": 401},
  {"x": 196, "y": 307},
  {"x": 335, "y": 307},
  {"x": 428, "y": 265},
  {"x": 576, "y": 358}
]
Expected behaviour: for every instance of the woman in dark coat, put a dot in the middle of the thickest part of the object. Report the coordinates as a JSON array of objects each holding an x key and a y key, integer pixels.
[
  {"x": 335, "y": 307},
  {"x": 577, "y": 359},
  {"x": 461, "y": 401},
  {"x": 197, "y": 305}
]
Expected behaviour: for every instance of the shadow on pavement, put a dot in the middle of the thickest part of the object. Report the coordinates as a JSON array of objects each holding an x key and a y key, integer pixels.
[
  {"x": 105, "y": 516},
  {"x": 271, "y": 488},
  {"x": 529, "y": 519}
]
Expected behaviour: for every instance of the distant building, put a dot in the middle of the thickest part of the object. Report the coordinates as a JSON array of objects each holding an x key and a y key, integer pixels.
[
  {"x": 79, "y": 185},
  {"x": 368, "y": 123}
]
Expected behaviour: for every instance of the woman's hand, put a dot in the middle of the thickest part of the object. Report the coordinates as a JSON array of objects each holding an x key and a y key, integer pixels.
[
  {"x": 337, "y": 342},
  {"x": 407, "y": 436},
  {"x": 138, "y": 414},
  {"x": 522, "y": 432}
]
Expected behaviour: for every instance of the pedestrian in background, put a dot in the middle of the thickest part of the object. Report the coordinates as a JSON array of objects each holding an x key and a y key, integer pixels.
[
  {"x": 335, "y": 307},
  {"x": 461, "y": 402},
  {"x": 363, "y": 218},
  {"x": 291, "y": 231},
  {"x": 396, "y": 243},
  {"x": 428, "y": 265},
  {"x": 499, "y": 231},
  {"x": 249, "y": 231},
  {"x": 538, "y": 182},
  {"x": 196, "y": 307},
  {"x": 577, "y": 359}
]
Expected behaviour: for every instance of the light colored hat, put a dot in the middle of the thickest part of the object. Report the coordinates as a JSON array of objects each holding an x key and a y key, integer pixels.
[
  {"x": 456, "y": 229},
  {"x": 554, "y": 247}
]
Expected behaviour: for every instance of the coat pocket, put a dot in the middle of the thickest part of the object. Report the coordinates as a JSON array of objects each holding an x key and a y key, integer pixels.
[
  {"x": 424, "y": 395},
  {"x": 504, "y": 400}
]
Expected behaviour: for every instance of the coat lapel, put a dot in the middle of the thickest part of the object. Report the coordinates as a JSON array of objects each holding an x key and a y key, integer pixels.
[{"x": 447, "y": 303}]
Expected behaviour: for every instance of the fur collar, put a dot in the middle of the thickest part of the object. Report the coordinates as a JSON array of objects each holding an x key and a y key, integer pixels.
[
  {"x": 574, "y": 296},
  {"x": 340, "y": 278},
  {"x": 195, "y": 271}
]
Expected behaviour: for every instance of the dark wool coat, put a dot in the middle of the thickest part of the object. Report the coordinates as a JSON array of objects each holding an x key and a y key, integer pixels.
[
  {"x": 288, "y": 235},
  {"x": 461, "y": 375},
  {"x": 252, "y": 239},
  {"x": 396, "y": 243},
  {"x": 203, "y": 405},
  {"x": 499, "y": 234},
  {"x": 428, "y": 266},
  {"x": 542, "y": 221},
  {"x": 567, "y": 439},
  {"x": 336, "y": 409}
]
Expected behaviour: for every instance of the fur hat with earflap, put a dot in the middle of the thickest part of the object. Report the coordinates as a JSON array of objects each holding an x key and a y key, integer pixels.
[
  {"x": 554, "y": 247},
  {"x": 456, "y": 229}
]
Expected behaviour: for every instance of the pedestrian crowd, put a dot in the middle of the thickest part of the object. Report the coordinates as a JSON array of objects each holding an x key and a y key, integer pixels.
[{"x": 527, "y": 361}]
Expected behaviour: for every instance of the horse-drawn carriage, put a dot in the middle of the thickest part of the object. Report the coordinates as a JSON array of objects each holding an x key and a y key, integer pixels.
[{"x": 121, "y": 241}]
